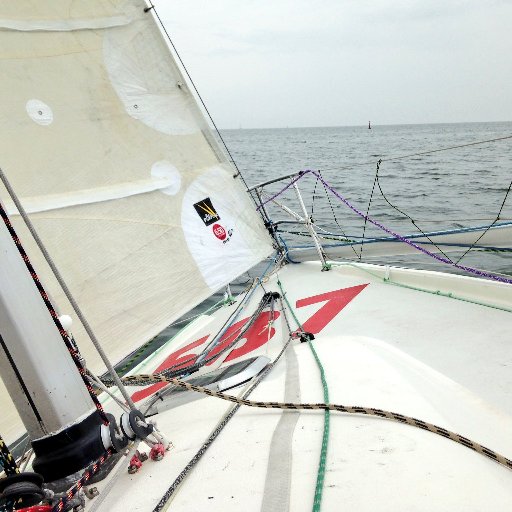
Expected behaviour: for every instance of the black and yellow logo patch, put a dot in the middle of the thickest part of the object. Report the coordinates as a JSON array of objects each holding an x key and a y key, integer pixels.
[{"x": 206, "y": 211}]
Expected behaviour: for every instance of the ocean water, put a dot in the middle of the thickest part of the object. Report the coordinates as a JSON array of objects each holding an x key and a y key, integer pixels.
[
  {"x": 455, "y": 188},
  {"x": 447, "y": 189}
]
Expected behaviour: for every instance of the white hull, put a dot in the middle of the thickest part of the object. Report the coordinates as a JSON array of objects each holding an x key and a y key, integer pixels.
[{"x": 436, "y": 358}]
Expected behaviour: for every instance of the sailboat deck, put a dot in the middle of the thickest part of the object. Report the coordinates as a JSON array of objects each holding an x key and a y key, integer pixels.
[{"x": 431, "y": 356}]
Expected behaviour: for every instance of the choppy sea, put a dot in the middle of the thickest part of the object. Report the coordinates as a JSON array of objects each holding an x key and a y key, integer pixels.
[
  {"x": 456, "y": 188},
  {"x": 453, "y": 188}
]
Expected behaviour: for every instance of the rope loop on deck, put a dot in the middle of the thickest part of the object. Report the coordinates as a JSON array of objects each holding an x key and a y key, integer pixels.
[{"x": 146, "y": 379}]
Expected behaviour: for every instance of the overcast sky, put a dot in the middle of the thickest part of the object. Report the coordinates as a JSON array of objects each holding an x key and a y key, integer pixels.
[{"x": 278, "y": 63}]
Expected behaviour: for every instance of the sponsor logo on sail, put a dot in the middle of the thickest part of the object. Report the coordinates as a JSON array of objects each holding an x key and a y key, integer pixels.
[
  {"x": 223, "y": 235},
  {"x": 207, "y": 212},
  {"x": 219, "y": 232}
]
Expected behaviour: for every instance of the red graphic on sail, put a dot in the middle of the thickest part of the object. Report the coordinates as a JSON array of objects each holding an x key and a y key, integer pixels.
[{"x": 219, "y": 231}]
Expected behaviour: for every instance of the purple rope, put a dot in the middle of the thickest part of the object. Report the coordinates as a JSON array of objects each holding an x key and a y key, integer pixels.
[
  {"x": 297, "y": 178},
  {"x": 470, "y": 270}
]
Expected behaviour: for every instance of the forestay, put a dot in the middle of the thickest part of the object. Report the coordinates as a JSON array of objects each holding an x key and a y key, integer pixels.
[{"x": 112, "y": 159}]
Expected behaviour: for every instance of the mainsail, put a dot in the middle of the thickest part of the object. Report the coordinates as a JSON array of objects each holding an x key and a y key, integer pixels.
[{"x": 112, "y": 159}]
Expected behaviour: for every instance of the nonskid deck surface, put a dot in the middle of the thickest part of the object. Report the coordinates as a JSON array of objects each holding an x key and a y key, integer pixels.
[{"x": 436, "y": 358}]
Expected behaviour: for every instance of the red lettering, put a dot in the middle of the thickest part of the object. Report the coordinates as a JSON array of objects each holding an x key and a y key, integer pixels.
[
  {"x": 179, "y": 358},
  {"x": 256, "y": 336},
  {"x": 334, "y": 302}
]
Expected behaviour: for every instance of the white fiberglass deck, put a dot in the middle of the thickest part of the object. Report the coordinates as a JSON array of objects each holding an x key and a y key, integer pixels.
[{"x": 437, "y": 358}]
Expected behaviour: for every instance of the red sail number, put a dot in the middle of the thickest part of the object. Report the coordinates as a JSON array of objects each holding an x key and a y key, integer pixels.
[
  {"x": 334, "y": 302},
  {"x": 256, "y": 336},
  {"x": 259, "y": 333}
]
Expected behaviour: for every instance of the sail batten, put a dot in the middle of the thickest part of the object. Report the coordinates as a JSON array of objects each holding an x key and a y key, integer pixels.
[
  {"x": 64, "y": 26},
  {"x": 110, "y": 156},
  {"x": 89, "y": 196}
]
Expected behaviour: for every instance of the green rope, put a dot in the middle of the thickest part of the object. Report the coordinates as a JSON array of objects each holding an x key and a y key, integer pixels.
[
  {"x": 325, "y": 438},
  {"x": 449, "y": 295},
  {"x": 327, "y": 414}
]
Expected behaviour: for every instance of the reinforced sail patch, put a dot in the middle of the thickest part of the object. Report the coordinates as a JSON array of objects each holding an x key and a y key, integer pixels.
[{"x": 206, "y": 211}]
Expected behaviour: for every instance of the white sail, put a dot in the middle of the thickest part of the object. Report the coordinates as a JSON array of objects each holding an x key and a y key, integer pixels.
[{"x": 110, "y": 155}]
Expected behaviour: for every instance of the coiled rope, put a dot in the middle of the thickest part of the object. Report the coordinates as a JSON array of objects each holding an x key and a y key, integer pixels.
[{"x": 143, "y": 380}]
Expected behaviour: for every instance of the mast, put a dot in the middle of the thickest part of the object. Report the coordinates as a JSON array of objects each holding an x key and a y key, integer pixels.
[
  {"x": 39, "y": 374},
  {"x": 68, "y": 430}
]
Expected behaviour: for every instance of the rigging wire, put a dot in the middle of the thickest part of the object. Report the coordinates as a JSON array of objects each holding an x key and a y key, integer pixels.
[
  {"x": 419, "y": 153},
  {"x": 238, "y": 173},
  {"x": 65, "y": 289},
  {"x": 406, "y": 215}
]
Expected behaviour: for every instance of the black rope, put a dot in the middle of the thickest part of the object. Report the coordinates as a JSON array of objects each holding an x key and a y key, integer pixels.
[
  {"x": 429, "y": 152},
  {"x": 313, "y": 199},
  {"x": 490, "y": 226},
  {"x": 195, "y": 459},
  {"x": 368, "y": 209},
  {"x": 334, "y": 215},
  {"x": 409, "y": 217},
  {"x": 420, "y": 153},
  {"x": 332, "y": 211},
  {"x": 53, "y": 313}
]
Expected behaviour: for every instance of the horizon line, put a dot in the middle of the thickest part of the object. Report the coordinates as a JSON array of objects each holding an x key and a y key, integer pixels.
[{"x": 364, "y": 125}]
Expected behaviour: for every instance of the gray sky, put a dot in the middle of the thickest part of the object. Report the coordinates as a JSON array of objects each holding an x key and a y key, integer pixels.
[{"x": 278, "y": 63}]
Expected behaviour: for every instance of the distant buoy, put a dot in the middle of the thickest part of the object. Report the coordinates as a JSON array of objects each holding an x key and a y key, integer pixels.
[{"x": 369, "y": 126}]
